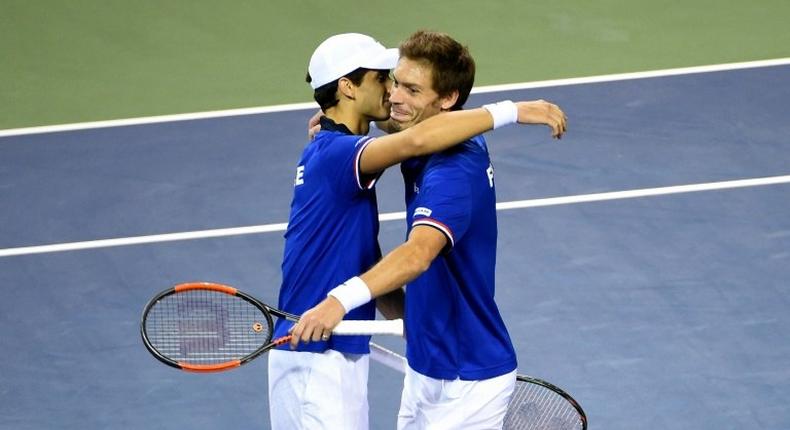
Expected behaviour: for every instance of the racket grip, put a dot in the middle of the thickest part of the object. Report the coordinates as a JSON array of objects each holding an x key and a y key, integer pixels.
[{"x": 354, "y": 327}]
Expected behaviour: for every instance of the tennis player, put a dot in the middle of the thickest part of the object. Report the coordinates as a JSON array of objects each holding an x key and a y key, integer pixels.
[{"x": 461, "y": 363}]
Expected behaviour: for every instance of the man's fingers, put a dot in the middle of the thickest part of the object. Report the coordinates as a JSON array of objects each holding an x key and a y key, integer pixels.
[
  {"x": 308, "y": 330},
  {"x": 296, "y": 334},
  {"x": 317, "y": 335},
  {"x": 304, "y": 336},
  {"x": 313, "y": 131},
  {"x": 563, "y": 125},
  {"x": 559, "y": 125},
  {"x": 314, "y": 120},
  {"x": 314, "y": 125}
]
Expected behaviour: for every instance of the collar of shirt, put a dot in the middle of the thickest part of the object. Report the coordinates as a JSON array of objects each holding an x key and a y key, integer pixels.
[{"x": 329, "y": 125}]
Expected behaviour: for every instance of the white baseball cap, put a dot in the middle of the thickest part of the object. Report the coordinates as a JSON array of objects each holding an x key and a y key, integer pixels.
[{"x": 341, "y": 54}]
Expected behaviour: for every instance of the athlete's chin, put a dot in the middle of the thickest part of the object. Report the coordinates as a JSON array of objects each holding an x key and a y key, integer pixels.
[{"x": 384, "y": 114}]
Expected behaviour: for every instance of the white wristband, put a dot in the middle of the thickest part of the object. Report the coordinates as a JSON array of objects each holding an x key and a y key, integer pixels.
[
  {"x": 504, "y": 113},
  {"x": 352, "y": 293}
]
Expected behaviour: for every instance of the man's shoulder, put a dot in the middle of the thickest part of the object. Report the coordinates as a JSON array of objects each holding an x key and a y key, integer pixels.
[
  {"x": 335, "y": 141},
  {"x": 470, "y": 151}
]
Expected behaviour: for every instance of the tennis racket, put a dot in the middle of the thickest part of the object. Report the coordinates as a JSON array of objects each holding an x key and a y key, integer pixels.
[
  {"x": 535, "y": 404},
  {"x": 207, "y": 327}
]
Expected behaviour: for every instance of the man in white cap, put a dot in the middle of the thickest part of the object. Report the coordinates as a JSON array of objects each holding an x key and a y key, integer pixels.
[{"x": 333, "y": 226}]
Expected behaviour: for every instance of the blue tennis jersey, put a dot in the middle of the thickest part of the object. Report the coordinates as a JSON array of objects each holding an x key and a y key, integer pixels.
[
  {"x": 453, "y": 326},
  {"x": 332, "y": 231}
]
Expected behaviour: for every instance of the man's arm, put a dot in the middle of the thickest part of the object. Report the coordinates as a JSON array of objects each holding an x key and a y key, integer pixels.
[
  {"x": 391, "y": 304},
  {"x": 445, "y": 130},
  {"x": 399, "y": 267}
]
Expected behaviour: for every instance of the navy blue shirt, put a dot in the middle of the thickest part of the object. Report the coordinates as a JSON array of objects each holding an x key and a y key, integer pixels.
[
  {"x": 453, "y": 326},
  {"x": 332, "y": 231}
]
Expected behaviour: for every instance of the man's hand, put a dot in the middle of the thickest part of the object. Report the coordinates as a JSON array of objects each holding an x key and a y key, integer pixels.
[
  {"x": 543, "y": 112},
  {"x": 313, "y": 125},
  {"x": 317, "y": 323}
]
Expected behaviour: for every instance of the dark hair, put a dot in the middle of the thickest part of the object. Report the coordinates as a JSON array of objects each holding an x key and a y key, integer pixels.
[
  {"x": 453, "y": 65},
  {"x": 326, "y": 95}
]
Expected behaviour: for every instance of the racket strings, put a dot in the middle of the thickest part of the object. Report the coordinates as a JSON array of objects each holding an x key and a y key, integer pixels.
[
  {"x": 206, "y": 327},
  {"x": 535, "y": 407}
]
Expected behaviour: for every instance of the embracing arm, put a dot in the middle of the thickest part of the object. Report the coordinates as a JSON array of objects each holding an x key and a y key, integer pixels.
[
  {"x": 445, "y": 130},
  {"x": 400, "y": 266}
]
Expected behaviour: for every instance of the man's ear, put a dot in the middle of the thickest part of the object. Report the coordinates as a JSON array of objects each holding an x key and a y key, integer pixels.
[
  {"x": 346, "y": 88},
  {"x": 448, "y": 101}
]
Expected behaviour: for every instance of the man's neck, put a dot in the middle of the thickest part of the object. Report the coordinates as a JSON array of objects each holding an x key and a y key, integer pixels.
[
  {"x": 346, "y": 115},
  {"x": 389, "y": 126}
]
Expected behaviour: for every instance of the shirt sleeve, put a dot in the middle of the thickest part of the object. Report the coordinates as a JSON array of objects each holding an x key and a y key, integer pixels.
[
  {"x": 364, "y": 182},
  {"x": 444, "y": 201},
  {"x": 341, "y": 164}
]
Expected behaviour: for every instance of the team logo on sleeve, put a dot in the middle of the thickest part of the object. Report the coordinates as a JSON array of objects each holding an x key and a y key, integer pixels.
[{"x": 422, "y": 211}]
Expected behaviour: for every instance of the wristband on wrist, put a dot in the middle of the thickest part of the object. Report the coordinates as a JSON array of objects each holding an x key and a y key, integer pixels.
[
  {"x": 504, "y": 113},
  {"x": 352, "y": 293}
]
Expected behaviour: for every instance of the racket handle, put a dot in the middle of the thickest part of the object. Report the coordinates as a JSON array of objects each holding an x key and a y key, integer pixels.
[{"x": 354, "y": 327}]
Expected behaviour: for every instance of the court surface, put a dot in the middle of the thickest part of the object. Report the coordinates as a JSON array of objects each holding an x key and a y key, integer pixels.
[{"x": 656, "y": 309}]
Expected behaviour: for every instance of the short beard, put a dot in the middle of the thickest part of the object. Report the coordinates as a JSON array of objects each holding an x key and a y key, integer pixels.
[{"x": 390, "y": 126}]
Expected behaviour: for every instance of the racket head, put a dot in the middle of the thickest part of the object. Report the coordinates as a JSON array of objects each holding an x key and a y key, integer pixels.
[
  {"x": 537, "y": 404},
  {"x": 206, "y": 327}
]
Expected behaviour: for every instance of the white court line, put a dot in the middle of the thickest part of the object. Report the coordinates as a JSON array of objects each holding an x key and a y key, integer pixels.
[
  {"x": 635, "y": 75},
  {"x": 477, "y": 90},
  {"x": 268, "y": 228},
  {"x": 155, "y": 119}
]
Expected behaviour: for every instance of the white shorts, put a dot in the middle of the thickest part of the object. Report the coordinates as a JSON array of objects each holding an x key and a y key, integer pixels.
[
  {"x": 436, "y": 404},
  {"x": 309, "y": 390}
]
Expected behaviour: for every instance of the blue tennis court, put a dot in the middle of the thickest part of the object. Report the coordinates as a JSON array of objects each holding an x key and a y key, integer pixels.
[{"x": 653, "y": 309}]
